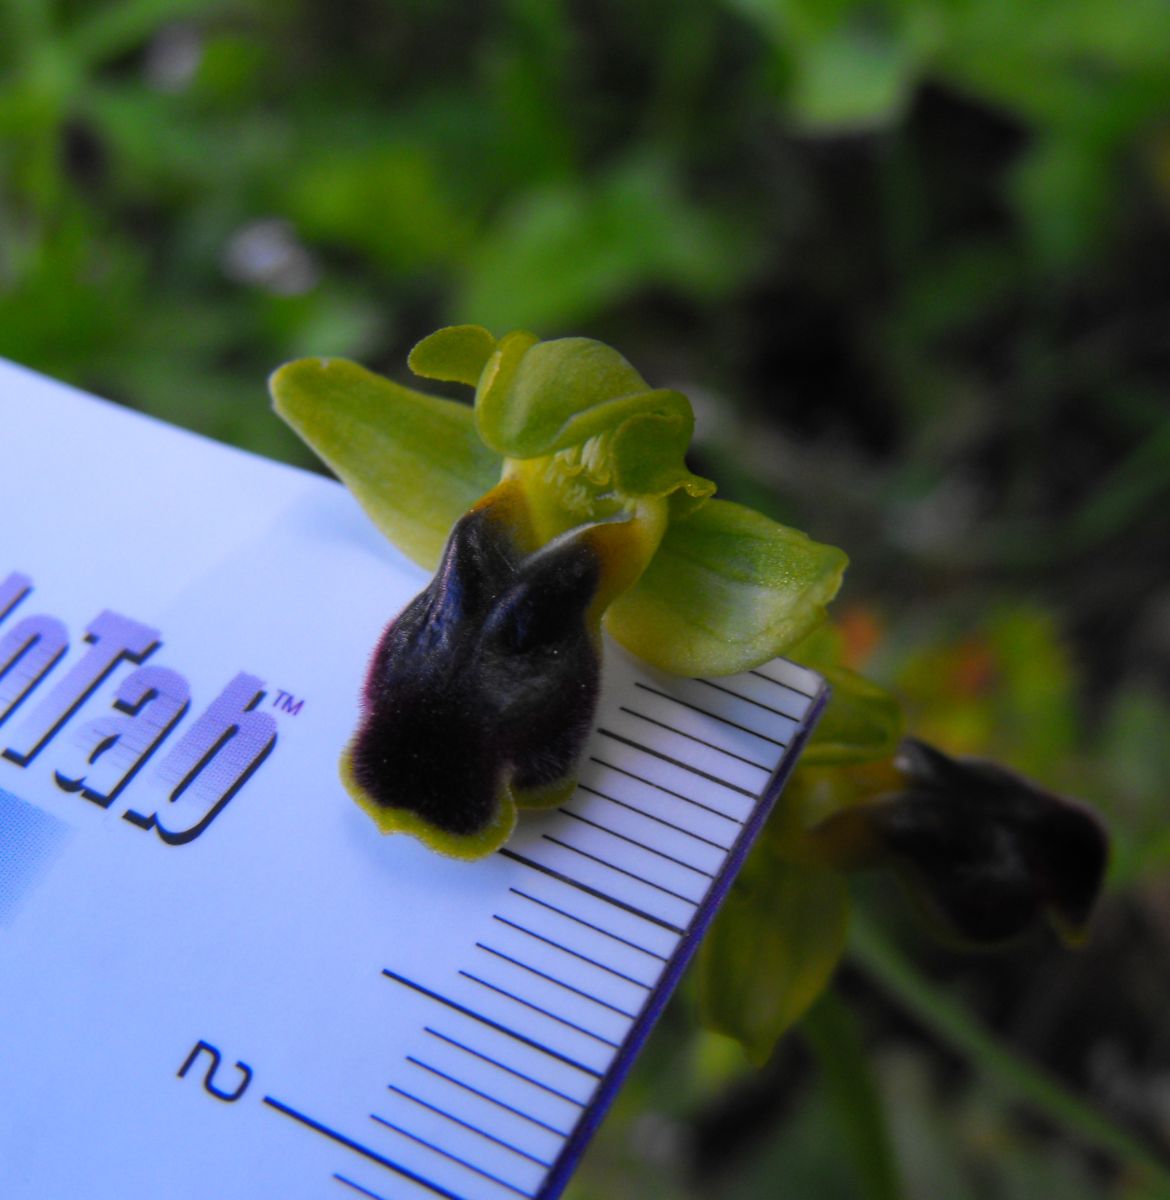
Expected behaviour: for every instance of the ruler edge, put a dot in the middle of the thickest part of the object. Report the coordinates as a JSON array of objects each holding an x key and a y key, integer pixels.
[{"x": 611, "y": 1082}]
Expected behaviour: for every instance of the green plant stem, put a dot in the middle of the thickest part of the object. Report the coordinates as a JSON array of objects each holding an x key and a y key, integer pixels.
[
  {"x": 831, "y": 1032},
  {"x": 1014, "y": 1076}
]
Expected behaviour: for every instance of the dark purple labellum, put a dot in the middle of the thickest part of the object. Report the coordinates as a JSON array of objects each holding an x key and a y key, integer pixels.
[
  {"x": 482, "y": 691},
  {"x": 984, "y": 851}
]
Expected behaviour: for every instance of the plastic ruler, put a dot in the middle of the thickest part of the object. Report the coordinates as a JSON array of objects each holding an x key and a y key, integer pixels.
[{"x": 216, "y": 977}]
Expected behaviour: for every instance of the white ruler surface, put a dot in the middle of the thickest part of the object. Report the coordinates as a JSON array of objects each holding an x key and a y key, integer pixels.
[{"x": 216, "y": 977}]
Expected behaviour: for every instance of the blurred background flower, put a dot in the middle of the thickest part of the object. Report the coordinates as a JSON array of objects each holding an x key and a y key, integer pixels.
[{"x": 911, "y": 261}]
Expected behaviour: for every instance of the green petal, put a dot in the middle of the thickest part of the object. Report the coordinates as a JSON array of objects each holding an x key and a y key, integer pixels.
[
  {"x": 457, "y": 354},
  {"x": 727, "y": 590},
  {"x": 862, "y": 722},
  {"x": 413, "y": 461},
  {"x": 548, "y": 395},
  {"x": 648, "y": 451},
  {"x": 772, "y": 950},
  {"x": 538, "y": 398}
]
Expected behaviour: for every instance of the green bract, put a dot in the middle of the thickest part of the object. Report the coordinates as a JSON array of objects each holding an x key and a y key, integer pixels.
[
  {"x": 862, "y": 723},
  {"x": 771, "y": 950}
]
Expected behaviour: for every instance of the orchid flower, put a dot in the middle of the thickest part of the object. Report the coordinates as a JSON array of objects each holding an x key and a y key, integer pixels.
[{"x": 557, "y": 505}]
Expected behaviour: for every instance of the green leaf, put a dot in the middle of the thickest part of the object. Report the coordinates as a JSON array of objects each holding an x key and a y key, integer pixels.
[
  {"x": 413, "y": 461},
  {"x": 728, "y": 589},
  {"x": 1134, "y": 762},
  {"x": 771, "y": 951},
  {"x": 390, "y": 202},
  {"x": 1063, "y": 188},
  {"x": 1000, "y": 1063},
  {"x": 862, "y": 722},
  {"x": 564, "y": 251},
  {"x": 852, "y": 79}
]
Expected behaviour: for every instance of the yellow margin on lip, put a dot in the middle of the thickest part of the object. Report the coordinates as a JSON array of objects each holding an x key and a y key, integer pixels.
[
  {"x": 549, "y": 796},
  {"x": 468, "y": 847}
]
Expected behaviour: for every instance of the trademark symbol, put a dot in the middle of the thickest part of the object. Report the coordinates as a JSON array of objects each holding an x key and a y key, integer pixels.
[{"x": 287, "y": 702}]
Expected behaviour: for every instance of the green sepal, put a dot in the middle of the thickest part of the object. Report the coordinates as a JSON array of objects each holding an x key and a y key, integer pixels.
[
  {"x": 456, "y": 354},
  {"x": 413, "y": 461},
  {"x": 728, "y": 589},
  {"x": 495, "y": 386},
  {"x": 772, "y": 950},
  {"x": 862, "y": 722}
]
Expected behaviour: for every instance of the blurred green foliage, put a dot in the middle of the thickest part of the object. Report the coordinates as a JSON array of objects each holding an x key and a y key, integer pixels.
[{"x": 911, "y": 259}]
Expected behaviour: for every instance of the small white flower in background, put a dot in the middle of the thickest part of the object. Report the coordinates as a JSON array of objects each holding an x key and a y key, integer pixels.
[
  {"x": 266, "y": 253},
  {"x": 172, "y": 57}
]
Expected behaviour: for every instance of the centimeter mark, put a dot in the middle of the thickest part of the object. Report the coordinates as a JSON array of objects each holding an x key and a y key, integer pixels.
[
  {"x": 780, "y": 712},
  {"x": 715, "y": 779},
  {"x": 512, "y": 1033},
  {"x": 715, "y": 812},
  {"x": 357, "y": 1187},
  {"x": 552, "y": 1091},
  {"x": 491, "y": 1137},
  {"x": 591, "y": 891},
  {"x": 540, "y": 937},
  {"x": 707, "y": 713},
  {"x": 698, "y": 837},
  {"x": 559, "y": 982},
  {"x": 751, "y": 762},
  {"x": 588, "y": 924},
  {"x": 359, "y": 1148},
  {"x": 536, "y": 1008},
  {"x": 548, "y": 837},
  {"x": 634, "y": 842},
  {"x": 492, "y": 1099},
  {"x": 463, "y": 1162}
]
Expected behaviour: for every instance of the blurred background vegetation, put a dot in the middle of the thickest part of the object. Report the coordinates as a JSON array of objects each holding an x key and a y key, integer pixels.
[{"x": 911, "y": 261}]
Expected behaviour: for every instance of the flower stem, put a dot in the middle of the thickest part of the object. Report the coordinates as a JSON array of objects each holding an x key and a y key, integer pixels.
[
  {"x": 1001, "y": 1065},
  {"x": 832, "y": 1034}
]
